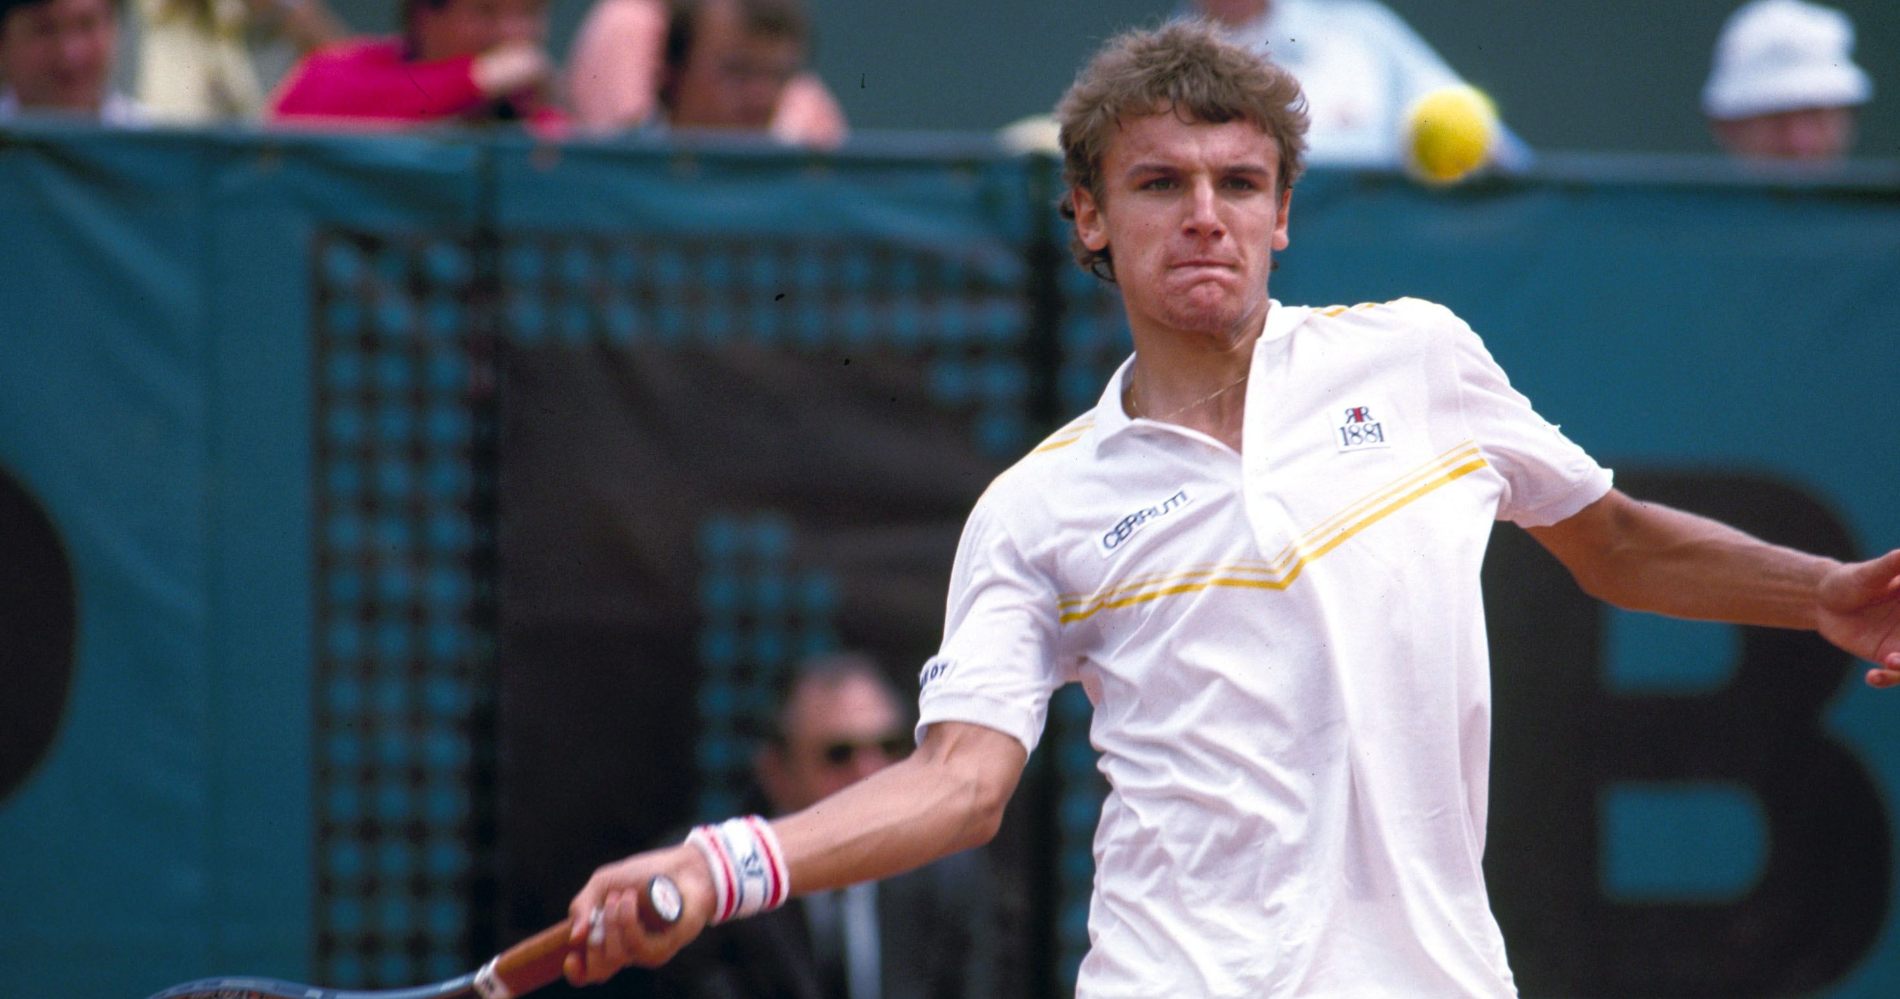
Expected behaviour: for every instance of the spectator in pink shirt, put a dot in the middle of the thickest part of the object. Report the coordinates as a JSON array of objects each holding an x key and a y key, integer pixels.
[
  {"x": 458, "y": 60},
  {"x": 701, "y": 64}
]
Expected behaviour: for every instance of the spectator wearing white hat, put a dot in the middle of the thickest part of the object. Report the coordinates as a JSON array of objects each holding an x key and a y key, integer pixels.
[{"x": 1784, "y": 85}]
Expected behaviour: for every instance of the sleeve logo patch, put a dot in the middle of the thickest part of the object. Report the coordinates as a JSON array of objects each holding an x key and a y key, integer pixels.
[{"x": 935, "y": 668}]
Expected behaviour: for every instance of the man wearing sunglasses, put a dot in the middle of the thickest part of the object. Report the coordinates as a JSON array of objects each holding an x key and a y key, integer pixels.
[
  {"x": 836, "y": 722},
  {"x": 923, "y": 935}
]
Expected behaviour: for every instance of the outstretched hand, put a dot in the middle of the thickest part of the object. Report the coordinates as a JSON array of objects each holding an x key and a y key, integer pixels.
[
  {"x": 1860, "y": 612},
  {"x": 605, "y": 924}
]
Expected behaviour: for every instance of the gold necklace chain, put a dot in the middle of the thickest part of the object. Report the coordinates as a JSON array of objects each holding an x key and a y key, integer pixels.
[{"x": 1135, "y": 402}]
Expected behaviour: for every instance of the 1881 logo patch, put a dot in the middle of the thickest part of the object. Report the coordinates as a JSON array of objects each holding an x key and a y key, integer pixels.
[{"x": 1360, "y": 431}]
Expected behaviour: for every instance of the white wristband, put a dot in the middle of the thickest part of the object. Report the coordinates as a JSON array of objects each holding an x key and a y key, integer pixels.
[{"x": 747, "y": 867}]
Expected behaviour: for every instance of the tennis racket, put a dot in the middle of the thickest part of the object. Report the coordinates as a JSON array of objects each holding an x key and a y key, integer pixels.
[{"x": 517, "y": 971}]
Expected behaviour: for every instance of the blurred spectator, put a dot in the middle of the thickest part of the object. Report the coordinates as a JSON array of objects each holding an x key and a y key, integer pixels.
[
  {"x": 929, "y": 934},
  {"x": 458, "y": 60},
  {"x": 56, "y": 58},
  {"x": 1359, "y": 64},
  {"x": 195, "y": 59},
  {"x": 721, "y": 64},
  {"x": 1784, "y": 85}
]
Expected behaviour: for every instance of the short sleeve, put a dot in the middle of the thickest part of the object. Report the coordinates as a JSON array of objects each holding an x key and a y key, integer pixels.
[
  {"x": 1547, "y": 476},
  {"x": 996, "y": 667}
]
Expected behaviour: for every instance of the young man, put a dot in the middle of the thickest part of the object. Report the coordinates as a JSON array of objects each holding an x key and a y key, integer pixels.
[
  {"x": 458, "y": 60},
  {"x": 1259, "y": 555},
  {"x": 56, "y": 58}
]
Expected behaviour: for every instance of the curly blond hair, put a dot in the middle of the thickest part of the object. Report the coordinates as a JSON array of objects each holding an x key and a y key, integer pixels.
[{"x": 1184, "y": 68}]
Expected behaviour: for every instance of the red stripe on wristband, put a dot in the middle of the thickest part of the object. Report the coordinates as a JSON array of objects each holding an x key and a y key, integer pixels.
[
  {"x": 775, "y": 859},
  {"x": 724, "y": 870},
  {"x": 746, "y": 864}
]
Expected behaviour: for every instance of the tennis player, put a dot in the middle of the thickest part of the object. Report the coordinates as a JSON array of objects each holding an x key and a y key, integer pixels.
[{"x": 1259, "y": 554}]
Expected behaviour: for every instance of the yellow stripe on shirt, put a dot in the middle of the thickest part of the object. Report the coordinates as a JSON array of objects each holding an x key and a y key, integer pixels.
[
  {"x": 1068, "y": 435},
  {"x": 1302, "y": 545},
  {"x": 1287, "y": 566}
]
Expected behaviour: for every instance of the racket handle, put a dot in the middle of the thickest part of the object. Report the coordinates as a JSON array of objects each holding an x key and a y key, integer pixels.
[
  {"x": 537, "y": 961},
  {"x": 532, "y": 963}
]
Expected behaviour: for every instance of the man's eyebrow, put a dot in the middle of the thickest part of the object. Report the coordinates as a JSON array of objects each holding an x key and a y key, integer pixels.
[
  {"x": 1149, "y": 166},
  {"x": 1163, "y": 166}
]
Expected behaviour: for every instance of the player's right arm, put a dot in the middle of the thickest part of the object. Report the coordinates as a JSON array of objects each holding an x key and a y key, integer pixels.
[{"x": 946, "y": 797}]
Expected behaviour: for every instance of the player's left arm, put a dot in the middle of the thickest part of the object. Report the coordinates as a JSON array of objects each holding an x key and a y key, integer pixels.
[{"x": 1649, "y": 557}]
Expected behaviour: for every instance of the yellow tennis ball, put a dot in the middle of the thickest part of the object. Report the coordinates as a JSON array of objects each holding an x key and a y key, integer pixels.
[{"x": 1450, "y": 132}]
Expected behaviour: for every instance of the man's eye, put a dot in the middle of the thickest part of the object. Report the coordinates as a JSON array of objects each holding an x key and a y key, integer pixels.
[{"x": 1158, "y": 184}]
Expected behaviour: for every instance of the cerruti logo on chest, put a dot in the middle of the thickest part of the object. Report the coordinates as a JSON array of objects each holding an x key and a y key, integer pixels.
[
  {"x": 1125, "y": 528},
  {"x": 1284, "y": 568}
]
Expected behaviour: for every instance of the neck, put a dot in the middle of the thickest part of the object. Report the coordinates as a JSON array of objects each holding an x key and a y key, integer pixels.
[
  {"x": 1194, "y": 377},
  {"x": 1210, "y": 397}
]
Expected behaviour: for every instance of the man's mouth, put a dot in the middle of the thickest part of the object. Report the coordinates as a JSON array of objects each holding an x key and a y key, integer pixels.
[{"x": 1204, "y": 270}]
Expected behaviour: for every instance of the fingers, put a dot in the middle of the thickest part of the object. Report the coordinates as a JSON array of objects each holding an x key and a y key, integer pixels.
[
  {"x": 611, "y": 925},
  {"x": 1881, "y": 576},
  {"x": 581, "y": 910},
  {"x": 592, "y": 958},
  {"x": 1886, "y": 673},
  {"x": 599, "y": 950}
]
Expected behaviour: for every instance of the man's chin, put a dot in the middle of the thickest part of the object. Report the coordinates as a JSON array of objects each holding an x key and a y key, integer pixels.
[
  {"x": 1221, "y": 323},
  {"x": 1211, "y": 302}
]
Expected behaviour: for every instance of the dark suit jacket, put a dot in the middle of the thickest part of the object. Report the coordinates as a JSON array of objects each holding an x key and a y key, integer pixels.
[{"x": 938, "y": 938}]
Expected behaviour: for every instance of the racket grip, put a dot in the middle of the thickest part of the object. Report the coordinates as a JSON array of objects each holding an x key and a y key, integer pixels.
[
  {"x": 532, "y": 963},
  {"x": 537, "y": 961}
]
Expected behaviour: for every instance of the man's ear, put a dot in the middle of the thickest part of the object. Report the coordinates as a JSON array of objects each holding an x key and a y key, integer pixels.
[
  {"x": 1090, "y": 227},
  {"x": 1280, "y": 237}
]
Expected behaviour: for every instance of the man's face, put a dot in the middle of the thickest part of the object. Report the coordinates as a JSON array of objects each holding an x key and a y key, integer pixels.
[
  {"x": 1192, "y": 214},
  {"x": 471, "y": 27},
  {"x": 1810, "y": 135},
  {"x": 57, "y": 56},
  {"x": 732, "y": 78},
  {"x": 836, "y": 734}
]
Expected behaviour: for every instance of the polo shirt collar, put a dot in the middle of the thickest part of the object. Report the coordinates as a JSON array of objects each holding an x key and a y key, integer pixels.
[{"x": 1110, "y": 416}]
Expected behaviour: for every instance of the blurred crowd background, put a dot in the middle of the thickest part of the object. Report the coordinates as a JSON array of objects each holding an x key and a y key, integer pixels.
[{"x": 1618, "y": 76}]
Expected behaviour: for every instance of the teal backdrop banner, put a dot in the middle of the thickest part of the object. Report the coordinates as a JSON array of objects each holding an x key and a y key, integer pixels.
[{"x": 268, "y": 417}]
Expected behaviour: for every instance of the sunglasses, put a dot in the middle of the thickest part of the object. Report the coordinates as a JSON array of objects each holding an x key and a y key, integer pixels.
[{"x": 892, "y": 747}]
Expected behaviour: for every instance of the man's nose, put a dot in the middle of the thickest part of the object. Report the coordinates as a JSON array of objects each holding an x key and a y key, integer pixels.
[{"x": 1203, "y": 210}]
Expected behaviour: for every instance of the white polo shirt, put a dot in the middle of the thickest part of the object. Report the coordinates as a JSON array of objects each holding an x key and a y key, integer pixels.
[{"x": 1286, "y": 654}]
